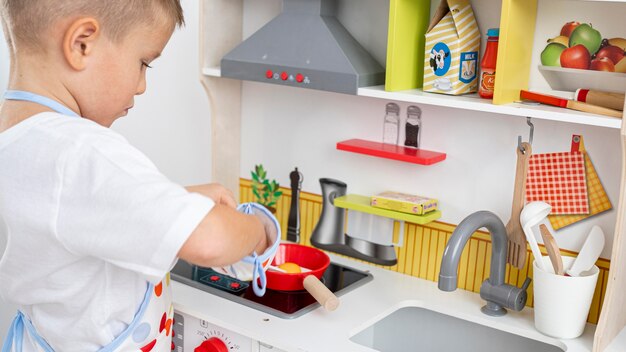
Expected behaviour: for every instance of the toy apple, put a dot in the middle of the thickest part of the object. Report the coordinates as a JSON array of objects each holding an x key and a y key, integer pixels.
[
  {"x": 576, "y": 57},
  {"x": 618, "y": 42},
  {"x": 621, "y": 66},
  {"x": 616, "y": 54},
  {"x": 550, "y": 56},
  {"x": 568, "y": 28},
  {"x": 584, "y": 34},
  {"x": 602, "y": 64},
  {"x": 560, "y": 39}
]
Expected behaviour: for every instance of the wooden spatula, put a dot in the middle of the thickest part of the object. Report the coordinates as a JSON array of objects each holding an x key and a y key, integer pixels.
[
  {"x": 553, "y": 249},
  {"x": 516, "y": 255}
]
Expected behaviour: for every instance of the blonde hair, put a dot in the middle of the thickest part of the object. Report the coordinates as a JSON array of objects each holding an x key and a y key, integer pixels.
[{"x": 25, "y": 21}]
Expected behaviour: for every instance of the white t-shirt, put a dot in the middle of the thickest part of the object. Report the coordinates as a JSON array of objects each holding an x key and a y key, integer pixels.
[{"x": 90, "y": 220}]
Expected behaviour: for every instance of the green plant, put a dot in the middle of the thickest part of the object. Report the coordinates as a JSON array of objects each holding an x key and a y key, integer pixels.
[{"x": 266, "y": 192}]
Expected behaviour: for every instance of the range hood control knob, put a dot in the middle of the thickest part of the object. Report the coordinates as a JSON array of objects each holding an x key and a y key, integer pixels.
[{"x": 212, "y": 345}]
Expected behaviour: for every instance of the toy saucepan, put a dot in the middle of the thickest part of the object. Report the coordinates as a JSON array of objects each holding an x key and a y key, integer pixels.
[{"x": 307, "y": 258}]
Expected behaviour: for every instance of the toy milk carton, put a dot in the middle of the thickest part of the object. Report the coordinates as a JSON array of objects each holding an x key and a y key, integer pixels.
[{"x": 452, "y": 47}]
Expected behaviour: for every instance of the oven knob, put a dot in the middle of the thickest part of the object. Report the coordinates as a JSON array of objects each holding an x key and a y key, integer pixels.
[{"x": 212, "y": 345}]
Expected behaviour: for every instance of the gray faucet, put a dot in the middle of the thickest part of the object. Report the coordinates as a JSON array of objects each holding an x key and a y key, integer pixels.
[{"x": 497, "y": 294}]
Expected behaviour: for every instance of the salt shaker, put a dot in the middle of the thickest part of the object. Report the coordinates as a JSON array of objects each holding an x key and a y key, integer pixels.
[
  {"x": 413, "y": 126},
  {"x": 391, "y": 125}
]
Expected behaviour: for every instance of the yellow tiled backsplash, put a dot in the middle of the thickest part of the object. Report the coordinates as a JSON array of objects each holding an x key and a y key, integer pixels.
[{"x": 421, "y": 253}]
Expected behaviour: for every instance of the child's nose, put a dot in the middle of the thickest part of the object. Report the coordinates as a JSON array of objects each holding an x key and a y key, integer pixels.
[{"x": 141, "y": 88}]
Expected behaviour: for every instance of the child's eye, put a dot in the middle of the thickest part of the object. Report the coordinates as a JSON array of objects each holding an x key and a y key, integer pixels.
[{"x": 145, "y": 64}]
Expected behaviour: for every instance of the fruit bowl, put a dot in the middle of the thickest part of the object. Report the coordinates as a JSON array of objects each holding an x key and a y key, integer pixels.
[{"x": 570, "y": 79}]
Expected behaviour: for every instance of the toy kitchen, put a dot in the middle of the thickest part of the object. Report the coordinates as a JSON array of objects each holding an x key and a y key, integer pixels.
[{"x": 454, "y": 220}]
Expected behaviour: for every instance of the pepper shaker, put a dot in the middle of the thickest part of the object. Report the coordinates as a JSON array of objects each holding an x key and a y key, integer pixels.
[{"x": 413, "y": 126}]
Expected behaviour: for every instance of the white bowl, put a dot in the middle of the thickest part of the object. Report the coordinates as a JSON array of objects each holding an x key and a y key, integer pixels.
[{"x": 570, "y": 79}]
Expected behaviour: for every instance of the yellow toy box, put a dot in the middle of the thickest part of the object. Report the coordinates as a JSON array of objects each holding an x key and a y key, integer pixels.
[
  {"x": 405, "y": 203},
  {"x": 452, "y": 46}
]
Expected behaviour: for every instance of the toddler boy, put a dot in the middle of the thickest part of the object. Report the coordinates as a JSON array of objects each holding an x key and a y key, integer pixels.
[{"x": 93, "y": 227}]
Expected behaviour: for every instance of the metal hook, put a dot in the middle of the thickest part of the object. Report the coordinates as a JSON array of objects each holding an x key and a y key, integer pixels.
[{"x": 530, "y": 139}]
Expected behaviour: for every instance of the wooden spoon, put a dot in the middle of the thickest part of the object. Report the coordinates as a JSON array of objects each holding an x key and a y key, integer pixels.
[
  {"x": 517, "y": 239},
  {"x": 553, "y": 249}
]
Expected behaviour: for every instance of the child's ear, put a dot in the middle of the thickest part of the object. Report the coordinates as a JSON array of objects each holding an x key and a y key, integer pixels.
[{"x": 79, "y": 40}]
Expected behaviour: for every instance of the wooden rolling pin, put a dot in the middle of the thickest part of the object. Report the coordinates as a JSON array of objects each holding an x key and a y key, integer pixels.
[
  {"x": 570, "y": 104},
  {"x": 596, "y": 97}
]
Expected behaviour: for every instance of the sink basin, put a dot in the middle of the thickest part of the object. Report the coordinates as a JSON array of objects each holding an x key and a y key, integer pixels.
[{"x": 408, "y": 327}]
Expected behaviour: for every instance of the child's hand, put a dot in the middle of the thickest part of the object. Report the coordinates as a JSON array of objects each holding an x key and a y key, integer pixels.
[
  {"x": 215, "y": 191},
  {"x": 270, "y": 231}
]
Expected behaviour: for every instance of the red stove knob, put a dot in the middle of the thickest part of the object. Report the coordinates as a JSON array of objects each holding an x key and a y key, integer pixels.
[
  {"x": 212, "y": 345},
  {"x": 269, "y": 74},
  {"x": 284, "y": 76},
  {"x": 299, "y": 77}
]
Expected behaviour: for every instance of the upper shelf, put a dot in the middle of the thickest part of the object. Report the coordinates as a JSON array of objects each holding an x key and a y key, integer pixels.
[{"x": 475, "y": 103}]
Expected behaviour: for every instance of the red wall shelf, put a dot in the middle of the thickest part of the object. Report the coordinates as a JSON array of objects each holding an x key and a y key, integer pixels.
[{"x": 391, "y": 151}]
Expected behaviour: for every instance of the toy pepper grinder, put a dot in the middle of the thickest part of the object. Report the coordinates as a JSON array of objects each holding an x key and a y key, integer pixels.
[{"x": 293, "y": 225}]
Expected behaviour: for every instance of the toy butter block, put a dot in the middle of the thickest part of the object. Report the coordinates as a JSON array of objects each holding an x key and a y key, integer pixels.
[{"x": 405, "y": 203}]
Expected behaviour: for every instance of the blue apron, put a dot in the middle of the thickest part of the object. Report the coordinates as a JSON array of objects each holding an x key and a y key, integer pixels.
[{"x": 152, "y": 327}]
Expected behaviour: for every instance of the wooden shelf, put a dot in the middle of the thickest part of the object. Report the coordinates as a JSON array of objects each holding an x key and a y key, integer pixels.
[
  {"x": 212, "y": 71},
  {"x": 475, "y": 103},
  {"x": 391, "y": 151},
  {"x": 362, "y": 204}
]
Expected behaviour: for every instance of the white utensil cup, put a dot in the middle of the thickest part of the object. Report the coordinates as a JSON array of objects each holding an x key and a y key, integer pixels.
[{"x": 562, "y": 302}]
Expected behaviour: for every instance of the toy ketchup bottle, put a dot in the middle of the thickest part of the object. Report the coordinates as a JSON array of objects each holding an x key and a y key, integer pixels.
[{"x": 488, "y": 65}]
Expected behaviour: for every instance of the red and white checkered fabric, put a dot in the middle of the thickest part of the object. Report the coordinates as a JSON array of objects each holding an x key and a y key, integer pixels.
[{"x": 558, "y": 179}]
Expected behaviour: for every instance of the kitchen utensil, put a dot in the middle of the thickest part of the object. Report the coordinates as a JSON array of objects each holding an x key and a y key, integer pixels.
[
  {"x": 329, "y": 232},
  {"x": 413, "y": 126},
  {"x": 391, "y": 124},
  {"x": 589, "y": 252},
  {"x": 308, "y": 257},
  {"x": 533, "y": 214},
  {"x": 562, "y": 303},
  {"x": 293, "y": 224},
  {"x": 517, "y": 241},
  {"x": 570, "y": 104},
  {"x": 553, "y": 249},
  {"x": 596, "y": 97}
]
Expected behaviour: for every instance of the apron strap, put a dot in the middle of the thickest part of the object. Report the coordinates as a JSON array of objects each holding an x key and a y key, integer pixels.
[
  {"x": 39, "y": 99},
  {"x": 16, "y": 328},
  {"x": 16, "y": 335}
]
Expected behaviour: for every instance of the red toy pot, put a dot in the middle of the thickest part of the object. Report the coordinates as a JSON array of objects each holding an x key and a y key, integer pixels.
[{"x": 306, "y": 257}]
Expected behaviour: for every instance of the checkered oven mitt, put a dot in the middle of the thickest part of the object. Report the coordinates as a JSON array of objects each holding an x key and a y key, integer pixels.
[{"x": 252, "y": 267}]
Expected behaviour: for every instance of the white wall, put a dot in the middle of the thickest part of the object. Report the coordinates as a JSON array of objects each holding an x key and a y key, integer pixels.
[{"x": 170, "y": 122}]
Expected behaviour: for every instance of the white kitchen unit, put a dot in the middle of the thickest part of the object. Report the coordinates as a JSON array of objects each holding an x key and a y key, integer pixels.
[
  {"x": 242, "y": 328},
  {"x": 283, "y": 127}
]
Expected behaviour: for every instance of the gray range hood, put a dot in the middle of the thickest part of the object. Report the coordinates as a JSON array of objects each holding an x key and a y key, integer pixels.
[{"x": 305, "y": 46}]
